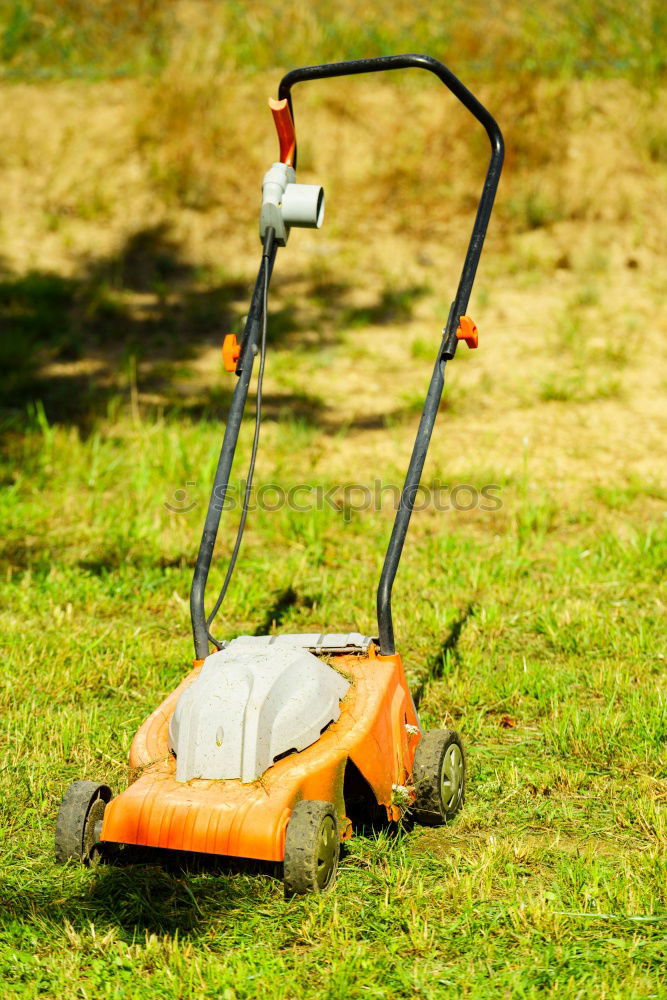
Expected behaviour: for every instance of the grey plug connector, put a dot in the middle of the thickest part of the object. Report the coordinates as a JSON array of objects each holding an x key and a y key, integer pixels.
[{"x": 286, "y": 203}]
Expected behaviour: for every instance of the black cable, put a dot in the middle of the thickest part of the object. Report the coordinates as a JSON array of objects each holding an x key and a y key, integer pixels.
[{"x": 266, "y": 254}]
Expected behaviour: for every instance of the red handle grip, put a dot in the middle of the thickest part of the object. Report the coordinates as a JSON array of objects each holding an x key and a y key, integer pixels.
[{"x": 282, "y": 116}]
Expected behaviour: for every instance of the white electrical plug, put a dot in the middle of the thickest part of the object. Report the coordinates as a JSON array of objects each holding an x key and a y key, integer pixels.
[{"x": 286, "y": 203}]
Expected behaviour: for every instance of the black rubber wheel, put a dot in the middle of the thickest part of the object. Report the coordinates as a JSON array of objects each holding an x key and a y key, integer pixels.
[
  {"x": 80, "y": 820},
  {"x": 312, "y": 848},
  {"x": 439, "y": 774}
]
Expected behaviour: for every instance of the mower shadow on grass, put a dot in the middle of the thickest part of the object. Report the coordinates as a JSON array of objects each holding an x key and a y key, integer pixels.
[
  {"x": 147, "y": 892},
  {"x": 435, "y": 666},
  {"x": 176, "y": 891},
  {"x": 283, "y": 603},
  {"x": 153, "y": 891}
]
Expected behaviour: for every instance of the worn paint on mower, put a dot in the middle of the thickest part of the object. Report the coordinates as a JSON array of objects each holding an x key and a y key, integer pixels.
[{"x": 269, "y": 745}]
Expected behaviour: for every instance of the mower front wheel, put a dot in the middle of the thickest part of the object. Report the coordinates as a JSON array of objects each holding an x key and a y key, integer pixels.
[
  {"x": 80, "y": 821},
  {"x": 312, "y": 848},
  {"x": 439, "y": 772}
]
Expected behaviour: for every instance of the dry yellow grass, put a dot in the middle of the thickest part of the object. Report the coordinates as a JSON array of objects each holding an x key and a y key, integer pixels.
[{"x": 570, "y": 295}]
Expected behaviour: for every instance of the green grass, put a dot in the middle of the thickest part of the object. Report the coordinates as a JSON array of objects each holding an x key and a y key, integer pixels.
[
  {"x": 537, "y": 629},
  {"x": 543, "y": 643},
  {"x": 43, "y": 39}
]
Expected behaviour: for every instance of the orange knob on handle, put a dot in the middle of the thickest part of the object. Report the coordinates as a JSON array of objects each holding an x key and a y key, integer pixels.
[
  {"x": 282, "y": 116},
  {"x": 231, "y": 352},
  {"x": 467, "y": 331}
]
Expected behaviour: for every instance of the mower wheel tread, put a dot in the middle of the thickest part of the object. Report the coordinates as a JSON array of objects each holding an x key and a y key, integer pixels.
[
  {"x": 439, "y": 772},
  {"x": 312, "y": 848},
  {"x": 82, "y": 807}
]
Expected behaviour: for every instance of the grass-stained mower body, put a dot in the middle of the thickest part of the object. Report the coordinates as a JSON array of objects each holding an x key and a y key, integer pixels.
[{"x": 267, "y": 748}]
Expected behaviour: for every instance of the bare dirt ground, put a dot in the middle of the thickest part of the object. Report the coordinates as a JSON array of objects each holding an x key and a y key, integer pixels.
[{"x": 570, "y": 377}]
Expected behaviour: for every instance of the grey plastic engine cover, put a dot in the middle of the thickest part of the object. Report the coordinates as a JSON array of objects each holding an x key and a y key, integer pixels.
[{"x": 252, "y": 702}]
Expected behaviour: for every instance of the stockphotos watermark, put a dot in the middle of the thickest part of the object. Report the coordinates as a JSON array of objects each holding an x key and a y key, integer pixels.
[{"x": 347, "y": 499}]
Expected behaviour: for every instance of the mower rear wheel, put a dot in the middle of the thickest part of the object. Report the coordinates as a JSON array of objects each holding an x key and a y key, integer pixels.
[
  {"x": 80, "y": 821},
  {"x": 312, "y": 848},
  {"x": 439, "y": 772}
]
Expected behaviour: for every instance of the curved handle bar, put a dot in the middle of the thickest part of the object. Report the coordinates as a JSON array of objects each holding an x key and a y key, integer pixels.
[
  {"x": 452, "y": 82},
  {"x": 382, "y": 64},
  {"x": 457, "y": 310}
]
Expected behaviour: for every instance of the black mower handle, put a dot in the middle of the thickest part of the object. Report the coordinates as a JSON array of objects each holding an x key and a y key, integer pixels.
[
  {"x": 458, "y": 308},
  {"x": 387, "y": 63},
  {"x": 445, "y": 353}
]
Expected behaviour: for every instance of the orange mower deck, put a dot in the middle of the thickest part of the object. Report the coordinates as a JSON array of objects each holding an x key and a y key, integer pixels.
[{"x": 377, "y": 730}]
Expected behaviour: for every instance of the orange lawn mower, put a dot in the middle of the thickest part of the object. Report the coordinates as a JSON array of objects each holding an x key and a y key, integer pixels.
[{"x": 267, "y": 747}]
